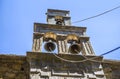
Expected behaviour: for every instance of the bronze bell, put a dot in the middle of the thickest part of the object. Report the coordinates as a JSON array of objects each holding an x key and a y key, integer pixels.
[
  {"x": 59, "y": 20},
  {"x": 50, "y": 39},
  {"x": 50, "y": 36},
  {"x": 50, "y": 46},
  {"x": 58, "y": 17},
  {"x": 75, "y": 48},
  {"x": 72, "y": 37}
]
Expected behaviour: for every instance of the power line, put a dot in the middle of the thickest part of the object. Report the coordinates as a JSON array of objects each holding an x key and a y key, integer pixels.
[
  {"x": 90, "y": 59},
  {"x": 97, "y": 15},
  {"x": 110, "y": 51}
]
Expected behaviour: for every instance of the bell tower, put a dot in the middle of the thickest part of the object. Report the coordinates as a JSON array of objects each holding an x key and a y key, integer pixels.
[
  {"x": 58, "y": 17},
  {"x": 59, "y": 35},
  {"x": 62, "y": 51}
]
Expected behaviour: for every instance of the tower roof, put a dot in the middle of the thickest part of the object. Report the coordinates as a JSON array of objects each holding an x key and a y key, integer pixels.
[{"x": 56, "y": 10}]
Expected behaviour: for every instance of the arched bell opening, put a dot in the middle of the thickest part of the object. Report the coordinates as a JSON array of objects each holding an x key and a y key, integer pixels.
[
  {"x": 50, "y": 46},
  {"x": 59, "y": 20},
  {"x": 74, "y": 45},
  {"x": 75, "y": 48},
  {"x": 50, "y": 41}
]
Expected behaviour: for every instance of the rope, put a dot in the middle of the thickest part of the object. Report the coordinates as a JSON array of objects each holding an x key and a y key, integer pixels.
[
  {"x": 72, "y": 61},
  {"x": 90, "y": 59}
]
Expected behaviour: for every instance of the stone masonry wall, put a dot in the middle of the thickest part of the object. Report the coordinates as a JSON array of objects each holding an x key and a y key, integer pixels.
[
  {"x": 17, "y": 67},
  {"x": 13, "y": 67},
  {"x": 111, "y": 69}
]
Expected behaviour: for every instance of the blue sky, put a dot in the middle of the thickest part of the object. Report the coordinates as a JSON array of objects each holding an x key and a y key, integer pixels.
[{"x": 17, "y": 18}]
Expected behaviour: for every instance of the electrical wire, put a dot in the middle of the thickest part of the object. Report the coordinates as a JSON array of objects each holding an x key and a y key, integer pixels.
[
  {"x": 110, "y": 51},
  {"x": 97, "y": 15},
  {"x": 90, "y": 59}
]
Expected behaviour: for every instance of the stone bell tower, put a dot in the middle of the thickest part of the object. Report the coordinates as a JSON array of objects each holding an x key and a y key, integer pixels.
[{"x": 62, "y": 51}]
